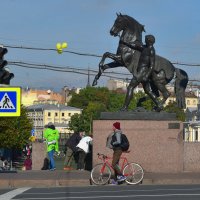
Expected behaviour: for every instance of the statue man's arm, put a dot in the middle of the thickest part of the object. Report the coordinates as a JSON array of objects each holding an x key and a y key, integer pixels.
[{"x": 136, "y": 45}]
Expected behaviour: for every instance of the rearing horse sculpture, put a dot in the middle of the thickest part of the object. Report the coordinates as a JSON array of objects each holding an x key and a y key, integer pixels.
[{"x": 130, "y": 31}]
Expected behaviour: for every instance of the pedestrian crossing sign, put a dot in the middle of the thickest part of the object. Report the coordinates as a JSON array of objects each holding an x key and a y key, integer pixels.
[{"x": 10, "y": 101}]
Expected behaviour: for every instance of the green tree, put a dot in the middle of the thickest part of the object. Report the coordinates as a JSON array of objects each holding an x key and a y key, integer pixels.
[
  {"x": 93, "y": 101},
  {"x": 15, "y": 131},
  {"x": 172, "y": 108},
  {"x": 144, "y": 101},
  {"x": 94, "y": 109},
  {"x": 90, "y": 94},
  {"x": 80, "y": 123},
  {"x": 117, "y": 101}
]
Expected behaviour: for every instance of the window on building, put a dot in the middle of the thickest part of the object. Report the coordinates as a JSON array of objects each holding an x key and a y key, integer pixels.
[
  {"x": 196, "y": 135},
  {"x": 49, "y": 114},
  {"x": 69, "y": 114},
  {"x": 63, "y": 114},
  {"x": 56, "y": 114}
]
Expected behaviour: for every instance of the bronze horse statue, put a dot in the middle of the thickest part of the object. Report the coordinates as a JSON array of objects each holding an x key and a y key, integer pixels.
[{"x": 130, "y": 32}]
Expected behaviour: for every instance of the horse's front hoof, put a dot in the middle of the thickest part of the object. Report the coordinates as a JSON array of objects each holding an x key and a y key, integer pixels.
[
  {"x": 123, "y": 109},
  {"x": 158, "y": 109},
  {"x": 94, "y": 83}
]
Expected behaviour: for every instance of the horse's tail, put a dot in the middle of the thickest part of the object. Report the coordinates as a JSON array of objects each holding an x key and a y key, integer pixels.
[{"x": 181, "y": 82}]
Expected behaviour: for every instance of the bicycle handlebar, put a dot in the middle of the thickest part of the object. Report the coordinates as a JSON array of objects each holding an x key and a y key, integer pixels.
[
  {"x": 101, "y": 154},
  {"x": 106, "y": 157}
]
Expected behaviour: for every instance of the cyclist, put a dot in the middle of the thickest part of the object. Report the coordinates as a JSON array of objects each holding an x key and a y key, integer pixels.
[{"x": 117, "y": 151}]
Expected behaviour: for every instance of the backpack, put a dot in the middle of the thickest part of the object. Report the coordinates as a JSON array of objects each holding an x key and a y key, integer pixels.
[
  {"x": 124, "y": 143},
  {"x": 45, "y": 164}
]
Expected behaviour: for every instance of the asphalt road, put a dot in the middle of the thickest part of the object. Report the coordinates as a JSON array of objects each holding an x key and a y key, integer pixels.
[{"x": 140, "y": 192}]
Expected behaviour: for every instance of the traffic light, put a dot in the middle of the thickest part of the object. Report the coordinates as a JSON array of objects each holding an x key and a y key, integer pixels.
[{"x": 5, "y": 75}]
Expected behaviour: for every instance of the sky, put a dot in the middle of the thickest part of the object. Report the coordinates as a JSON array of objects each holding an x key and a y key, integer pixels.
[{"x": 85, "y": 26}]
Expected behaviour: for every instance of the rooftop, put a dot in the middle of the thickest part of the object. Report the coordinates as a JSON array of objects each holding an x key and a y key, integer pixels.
[{"x": 39, "y": 107}]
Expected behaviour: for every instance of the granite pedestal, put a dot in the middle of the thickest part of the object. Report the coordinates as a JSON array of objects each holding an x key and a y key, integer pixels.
[{"x": 155, "y": 143}]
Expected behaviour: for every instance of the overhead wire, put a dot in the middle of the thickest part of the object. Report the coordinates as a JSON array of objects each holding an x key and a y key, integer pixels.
[
  {"x": 52, "y": 49},
  {"x": 79, "y": 53},
  {"x": 73, "y": 69}
]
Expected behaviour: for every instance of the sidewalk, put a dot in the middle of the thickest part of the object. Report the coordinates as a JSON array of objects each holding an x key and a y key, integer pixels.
[
  {"x": 44, "y": 178},
  {"x": 82, "y": 178}
]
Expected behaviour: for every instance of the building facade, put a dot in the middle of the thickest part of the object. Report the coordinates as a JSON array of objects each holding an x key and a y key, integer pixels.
[
  {"x": 59, "y": 115},
  {"x": 34, "y": 96},
  {"x": 191, "y": 100},
  {"x": 115, "y": 84},
  {"x": 192, "y": 124}
]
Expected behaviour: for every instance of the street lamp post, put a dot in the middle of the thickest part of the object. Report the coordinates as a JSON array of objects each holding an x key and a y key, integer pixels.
[{"x": 35, "y": 122}]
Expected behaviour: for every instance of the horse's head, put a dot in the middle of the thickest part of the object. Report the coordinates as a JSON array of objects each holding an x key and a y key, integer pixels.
[
  {"x": 124, "y": 22},
  {"x": 118, "y": 26}
]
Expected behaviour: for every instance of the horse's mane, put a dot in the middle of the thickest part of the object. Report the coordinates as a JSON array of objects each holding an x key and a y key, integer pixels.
[{"x": 134, "y": 23}]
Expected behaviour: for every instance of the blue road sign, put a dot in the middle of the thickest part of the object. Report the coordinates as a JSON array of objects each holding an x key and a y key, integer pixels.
[
  {"x": 32, "y": 132},
  {"x": 10, "y": 101}
]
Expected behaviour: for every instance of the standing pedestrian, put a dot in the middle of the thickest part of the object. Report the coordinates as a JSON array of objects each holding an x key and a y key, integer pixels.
[
  {"x": 28, "y": 163},
  {"x": 51, "y": 135},
  {"x": 1, "y": 163},
  {"x": 83, "y": 150},
  {"x": 71, "y": 149}
]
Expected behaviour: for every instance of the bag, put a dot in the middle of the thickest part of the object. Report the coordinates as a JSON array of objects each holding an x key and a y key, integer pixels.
[
  {"x": 45, "y": 164},
  {"x": 108, "y": 141},
  {"x": 124, "y": 143}
]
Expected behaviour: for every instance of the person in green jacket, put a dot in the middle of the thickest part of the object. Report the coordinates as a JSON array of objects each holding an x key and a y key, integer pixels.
[{"x": 52, "y": 136}]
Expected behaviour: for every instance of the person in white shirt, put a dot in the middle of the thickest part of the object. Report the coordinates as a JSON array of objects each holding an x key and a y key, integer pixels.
[
  {"x": 83, "y": 149},
  {"x": 1, "y": 163}
]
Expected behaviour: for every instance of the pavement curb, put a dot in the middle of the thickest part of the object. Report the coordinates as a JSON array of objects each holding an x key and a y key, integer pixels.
[{"x": 77, "y": 178}]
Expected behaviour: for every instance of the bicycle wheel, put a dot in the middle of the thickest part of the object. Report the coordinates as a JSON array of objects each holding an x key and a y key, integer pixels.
[
  {"x": 100, "y": 174},
  {"x": 134, "y": 173}
]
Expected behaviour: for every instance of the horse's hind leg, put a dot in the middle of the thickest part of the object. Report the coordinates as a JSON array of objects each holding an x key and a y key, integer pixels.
[
  {"x": 148, "y": 90},
  {"x": 160, "y": 82},
  {"x": 161, "y": 87}
]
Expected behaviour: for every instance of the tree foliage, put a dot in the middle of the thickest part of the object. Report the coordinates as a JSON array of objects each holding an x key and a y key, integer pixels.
[
  {"x": 93, "y": 101},
  {"x": 139, "y": 99},
  {"x": 94, "y": 109},
  {"x": 15, "y": 131},
  {"x": 144, "y": 101},
  {"x": 172, "y": 108},
  {"x": 80, "y": 123},
  {"x": 90, "y": 94}
]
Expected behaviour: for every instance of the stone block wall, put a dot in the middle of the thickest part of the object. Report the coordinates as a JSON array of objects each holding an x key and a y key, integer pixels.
[
  {"x": 38, "y": 155},
  {"x": 156, "y": 145}
]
